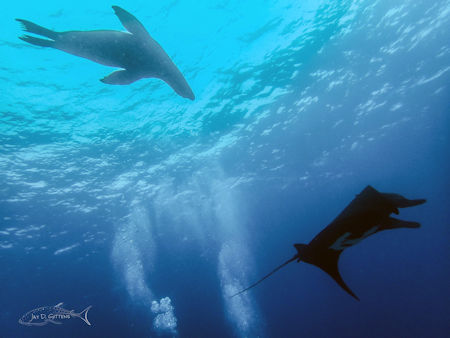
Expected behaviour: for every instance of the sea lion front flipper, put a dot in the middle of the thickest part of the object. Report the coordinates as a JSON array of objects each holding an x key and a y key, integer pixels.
[
  {"x": 121, "y": 77},
  {"x": 130, "y": 22}
]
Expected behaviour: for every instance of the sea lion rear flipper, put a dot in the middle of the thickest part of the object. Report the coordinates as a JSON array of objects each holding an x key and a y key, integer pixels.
[
  {"x": 30, "y": 27},
  {"x": 130, "y": 22},
  {"x": 120, "y": 77},
  {"x": 37, "y": 41}
]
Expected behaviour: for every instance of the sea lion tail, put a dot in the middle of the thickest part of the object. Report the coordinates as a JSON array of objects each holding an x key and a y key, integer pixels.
[{"x": 36, "y": 29}]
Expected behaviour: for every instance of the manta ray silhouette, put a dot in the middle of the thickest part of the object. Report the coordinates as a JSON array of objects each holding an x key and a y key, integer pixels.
[
  {"x": 135, "y": 51},
  {"x": 366, "y": 215}
]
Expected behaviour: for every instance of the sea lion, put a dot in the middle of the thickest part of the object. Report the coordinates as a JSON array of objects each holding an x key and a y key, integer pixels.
[{"x": 135, "y": 51}]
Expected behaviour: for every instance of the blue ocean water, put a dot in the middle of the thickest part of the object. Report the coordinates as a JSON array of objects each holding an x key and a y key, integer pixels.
[{"x": 154, "y": 209}]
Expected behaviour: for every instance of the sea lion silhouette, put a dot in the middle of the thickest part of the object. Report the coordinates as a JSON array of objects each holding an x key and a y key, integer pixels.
[
  {"x": 366, "y": 215},
  {"x": 135, "y": 51}
]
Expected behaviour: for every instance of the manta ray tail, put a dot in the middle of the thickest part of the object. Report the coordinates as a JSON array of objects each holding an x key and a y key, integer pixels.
[
  {"x": 266, "y": 276},
  {"x": 30, "y": 27}
]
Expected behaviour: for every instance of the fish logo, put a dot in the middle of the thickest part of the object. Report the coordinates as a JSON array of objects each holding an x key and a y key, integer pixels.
[{"x": 52, "y": 314}]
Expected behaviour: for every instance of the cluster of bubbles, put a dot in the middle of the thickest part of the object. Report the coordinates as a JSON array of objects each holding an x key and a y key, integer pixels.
[{"x": 165, "y": 319}]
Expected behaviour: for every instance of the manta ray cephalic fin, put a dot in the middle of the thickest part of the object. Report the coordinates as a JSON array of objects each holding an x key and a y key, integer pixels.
[
  {"x": 401, "y": 202},
  {"x": 394, "y": 223}
]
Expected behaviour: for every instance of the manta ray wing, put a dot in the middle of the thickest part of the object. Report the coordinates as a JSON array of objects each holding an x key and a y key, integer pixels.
[{"x": 329, "y": 263}]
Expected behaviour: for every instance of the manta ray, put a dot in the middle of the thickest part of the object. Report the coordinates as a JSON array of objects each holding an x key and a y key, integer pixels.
[
  {"x": 366, "y": 215},
  {"x": 135, "y": 51}
]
